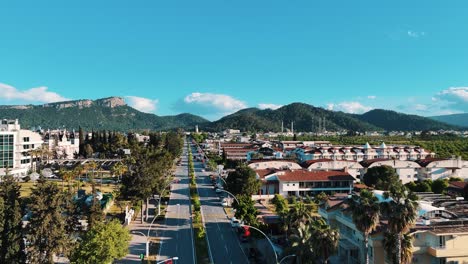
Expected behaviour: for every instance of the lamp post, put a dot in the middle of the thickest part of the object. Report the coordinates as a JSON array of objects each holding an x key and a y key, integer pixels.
[
  {"x": 292, "y": 255},
  {"x": 147, "y": 242},
  {"x": 231, "y": 195},
  {"x": 164, "y": 261},
  {"x": 271, "y": 243}
]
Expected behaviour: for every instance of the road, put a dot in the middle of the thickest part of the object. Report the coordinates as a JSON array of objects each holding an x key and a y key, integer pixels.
[
  {"x": 224, "y": 244},
  {"x": 176, "y": 232}
]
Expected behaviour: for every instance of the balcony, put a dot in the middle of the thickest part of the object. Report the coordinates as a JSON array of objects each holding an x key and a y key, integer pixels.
[{"x": 444, "y": 252}]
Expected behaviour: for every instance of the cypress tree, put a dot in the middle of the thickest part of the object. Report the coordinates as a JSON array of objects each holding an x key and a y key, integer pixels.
[
  {"x": 12, "y": 246},
  {"x": 81, "y": 138},
  {"x": 46, "y": 229}
]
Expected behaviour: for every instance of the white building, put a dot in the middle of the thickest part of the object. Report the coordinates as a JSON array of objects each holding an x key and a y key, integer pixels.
[
  {"x": 64, "y": 144},
  {"x": 275, "y": 164},
  {"x": 407, "y": 170},
  {"x": 350, "y": 166},
  {"x": 15, "y": 144},
  {"x": 443, "y": 168}
]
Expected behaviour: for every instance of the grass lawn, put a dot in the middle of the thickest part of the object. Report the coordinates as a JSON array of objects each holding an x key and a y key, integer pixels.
[{"x": 26, "y": 187}]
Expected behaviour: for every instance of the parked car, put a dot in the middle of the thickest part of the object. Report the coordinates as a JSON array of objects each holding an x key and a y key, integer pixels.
[{"x": 235, "y": 222}]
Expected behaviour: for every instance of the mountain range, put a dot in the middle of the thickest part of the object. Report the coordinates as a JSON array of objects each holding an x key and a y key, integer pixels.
[
  {"x": 454, "y": 119},
  {"x": 114, "y": 114}
]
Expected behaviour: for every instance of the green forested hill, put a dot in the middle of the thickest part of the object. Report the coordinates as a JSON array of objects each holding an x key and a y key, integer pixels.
[
  {"x": 305, "y": 117},
  {"x": 455, "y": 119},
  {"x": 391, "y": 121},
  {"x": 113, "y": 114},
  {"x": 95, "y": 116}
]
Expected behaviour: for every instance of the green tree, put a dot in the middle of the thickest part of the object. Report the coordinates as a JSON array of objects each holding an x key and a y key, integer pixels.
[
  {"x": 401, "y": 213},
  {"x": 365, "y": 211},
  {"x": 325, "y": 239},
  {"x": 46, "y": 228},
  {"x": 381, "y": 177},
  {"x": 103, "y": 243},
  {"x": 243, "y": 181},
  {"x": 281, "y": 205},
  {"x": 245, "y": 210},
  {"x": 88, "y": 151},
  {"x": 439, "y": 186},
  {"x": 302, "y": 245},
  {"x": 11, "y": 237}
]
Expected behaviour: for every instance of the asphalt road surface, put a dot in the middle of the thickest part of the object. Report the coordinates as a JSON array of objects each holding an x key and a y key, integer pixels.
[
  {"x": 176, "y": 232},
  {"x": 224, "y": 244}
]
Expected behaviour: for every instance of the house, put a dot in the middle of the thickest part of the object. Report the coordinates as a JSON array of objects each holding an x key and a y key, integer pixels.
[
  {"x": 456, "y": 188},
  {"x": 407, "y": 170},
  {"x": 350, "y": 166},
  {"x": 304, "y": 182}
]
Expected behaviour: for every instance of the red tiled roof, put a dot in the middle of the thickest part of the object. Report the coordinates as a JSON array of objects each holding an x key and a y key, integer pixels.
[
  {"x": 307, "y": 163},
  {"x": 304, "y": 175},
  {"x": 263, "y": 173},
  {"x": 367, "y": 163},
  {"x": 458, "y": 185},
  {"x": 425, "y": 162}
]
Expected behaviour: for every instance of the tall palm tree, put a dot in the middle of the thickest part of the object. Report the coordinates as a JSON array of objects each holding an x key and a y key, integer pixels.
[
  {"x": 299, "y": 213},
  {"x": 365, "y": 211},
  {"x": 119, "y": 169},
  {"x": 302, "y": 244},
  {"x": 401, "y": 213},
  {"x": 390, "y": 246},
  {"x": 325, "y": 239}
]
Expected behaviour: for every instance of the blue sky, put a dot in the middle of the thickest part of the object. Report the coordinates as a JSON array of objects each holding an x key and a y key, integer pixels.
[{"x": 215, "y": 57}]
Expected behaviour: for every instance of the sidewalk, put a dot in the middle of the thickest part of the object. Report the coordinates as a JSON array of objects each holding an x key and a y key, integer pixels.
[{"x": 138, "y": 243}]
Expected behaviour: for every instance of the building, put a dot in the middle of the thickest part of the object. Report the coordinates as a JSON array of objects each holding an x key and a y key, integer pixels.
[
  {"x": 274, "y": 164},
  {"x": 407, "y": 170},
  {"x": 442, "y": 168},
  {"x": 360, "y": 153},
  {"x": 63, "y": 144},
  {"x": 15, "y": 147},
  {"x": 304, "y": 182},
  {"x": 440, "y": 233},
  {"x": 352, "y": 167},
  {"x": 237, "y": 151}
]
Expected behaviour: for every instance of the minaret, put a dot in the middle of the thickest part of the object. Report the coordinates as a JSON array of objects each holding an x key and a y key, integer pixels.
[
  {"x": 282, "y": 127},
  {"x": 196, "y": 129},
  {"x": 292, "y": 127}
]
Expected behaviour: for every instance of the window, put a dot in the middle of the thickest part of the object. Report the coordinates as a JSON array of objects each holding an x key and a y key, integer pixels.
[
  {"x": 25, "y": 146},
  {"x": 26, "y": 139}
]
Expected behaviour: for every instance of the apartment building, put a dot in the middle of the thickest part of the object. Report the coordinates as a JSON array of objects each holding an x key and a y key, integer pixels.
[
  {"x": 15, "y": 147},
  {"x": 442, "y": 168},
  {"x": 440, "y": 234},
  {"x": 407, "y": 170}
]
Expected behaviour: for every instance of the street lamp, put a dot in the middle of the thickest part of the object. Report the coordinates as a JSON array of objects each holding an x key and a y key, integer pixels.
[
  {"x": 292, "y": 255},
  {"x": 164, "y": 261},
  {"x": 271, "y": 243},
  {"x": 147, "y": 242},
  {"x": 231, "y": 195}
]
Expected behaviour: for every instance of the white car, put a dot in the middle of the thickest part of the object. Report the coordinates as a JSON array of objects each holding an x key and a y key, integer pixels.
[{"x": 236, "y": 222}]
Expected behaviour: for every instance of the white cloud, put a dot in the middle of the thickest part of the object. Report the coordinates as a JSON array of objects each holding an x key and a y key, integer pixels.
[
  {"x": 415, "y": 34},
  {"x": 142, "y": 104},
  {"x": 269, "y": 106},
  {"x": 454, "y": 97},
  {"x": 37, "y": 94},
  {"x": 372, "y": 97},
  {"x": 349, "y": 107},
  {"x": 221, "y": 102}
]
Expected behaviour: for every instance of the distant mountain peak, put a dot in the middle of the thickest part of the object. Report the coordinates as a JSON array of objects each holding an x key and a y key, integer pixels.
[{"x": 106, "y": 102}]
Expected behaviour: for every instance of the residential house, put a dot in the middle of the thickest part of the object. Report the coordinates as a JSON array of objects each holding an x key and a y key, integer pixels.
[
  {"x": 352, "y": 167},
  {"x": 442, "y": 168}
]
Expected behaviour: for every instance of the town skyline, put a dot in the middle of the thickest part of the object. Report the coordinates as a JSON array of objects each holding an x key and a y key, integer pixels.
[{"x": 212, "y": 59}]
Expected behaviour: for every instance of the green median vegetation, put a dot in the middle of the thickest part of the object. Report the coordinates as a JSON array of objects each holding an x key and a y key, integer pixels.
[{"x": 201, "y": 245}]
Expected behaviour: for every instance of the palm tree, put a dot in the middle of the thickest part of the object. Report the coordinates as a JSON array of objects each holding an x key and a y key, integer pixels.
[
  {"x": 401, "y": 213},
  {"x": 365, "y": 210},
  {"x": 390, "y": 246},
  {"x": 119, "y": 169},
  {"x": 299, "y": 213},
  {"x": 301, "y": 244},
  {"x": 325, "y": 239}
]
